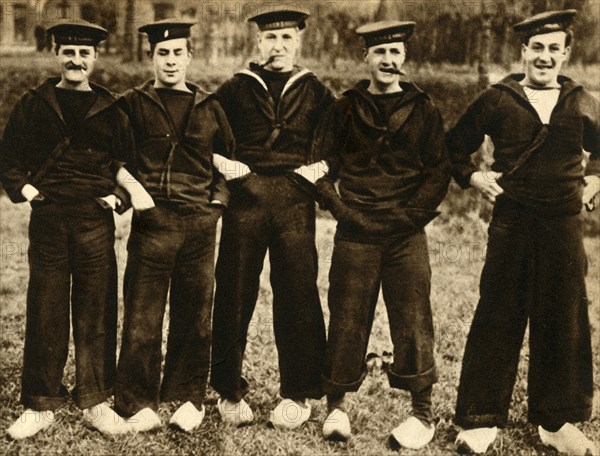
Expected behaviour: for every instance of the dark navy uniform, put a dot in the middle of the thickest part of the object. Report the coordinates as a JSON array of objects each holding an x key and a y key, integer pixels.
[
  {"x": 171, "y": 246},
  {"x": 271, "y": 209},
  {"x": 69, "y": 145},
  {"x": 535, "y": 265}
]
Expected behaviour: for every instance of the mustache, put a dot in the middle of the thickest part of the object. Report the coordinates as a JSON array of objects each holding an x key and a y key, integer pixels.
[{"x": 72, "y": 66}]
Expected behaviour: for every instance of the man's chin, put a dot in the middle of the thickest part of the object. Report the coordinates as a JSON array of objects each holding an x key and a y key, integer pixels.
[
  {"x": 167, "y": 82},
  {"x": 73, "y": 80},
  {"x": 543, "y": 80},
  {"x": 277, "y": 66},
  {"x": 385, "y": 78}
]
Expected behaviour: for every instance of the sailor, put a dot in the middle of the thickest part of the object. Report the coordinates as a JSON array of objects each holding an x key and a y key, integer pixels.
[
  {"x": 176, "y": 126},
  {"x": 273, "y": 108},
  {"x": 62, "y": 150},
  {"x": 540, "y": 122},
  {"x": 388, "y": 171}
]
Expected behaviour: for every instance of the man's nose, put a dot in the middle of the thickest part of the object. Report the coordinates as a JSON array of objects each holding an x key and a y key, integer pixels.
[
  {"x": 77, "y": 58},
  {"x": 278, "y": 44},
  {"x": 545, "y": 55},
  {"x": 386, "y": 59}
]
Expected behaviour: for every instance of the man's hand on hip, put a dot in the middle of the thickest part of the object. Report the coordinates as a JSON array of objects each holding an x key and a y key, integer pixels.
[{"x": 487, "y": 183}]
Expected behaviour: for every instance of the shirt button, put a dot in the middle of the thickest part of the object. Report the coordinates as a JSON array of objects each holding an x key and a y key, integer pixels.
[{"x": 168, "y": 135}]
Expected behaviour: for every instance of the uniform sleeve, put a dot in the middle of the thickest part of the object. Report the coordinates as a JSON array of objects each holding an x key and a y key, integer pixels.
[
  {"x": 329, "y": 142},
  {"x": 436, "y": 165},
  {"x": 591, "y": 134},
  {"x": 325, "y": 102},
  {"x": 128, "y": 138},
  {"x": 227, "y": 97},
  {"x": 224, "y": 140},
  {"x": 468, "y": 134},
  {"x": 124, "y": 151},
  {"x": 330, "y": 137},
  {"x": 13, "y": 172},
  {"x": 223, "y": 144},
  {"x": 124, "y": 147}
]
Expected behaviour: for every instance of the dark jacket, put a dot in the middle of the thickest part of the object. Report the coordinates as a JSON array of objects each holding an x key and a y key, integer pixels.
[
  {"x": 173, "y": 169},
  {"x": 273, "y": 140},
  {"x": 392, "y": 174},
  {"x": 542, "y": 164},
  {"x": 85, "y": 162}
]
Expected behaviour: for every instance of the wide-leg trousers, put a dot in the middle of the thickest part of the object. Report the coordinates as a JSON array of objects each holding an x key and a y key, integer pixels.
[
  {"x": 268, "y": 213},
  {"x": 73, "y": 280},
  {"x": 534, "y": 272},
  {"x": 400, "y": 267},
  {"x": 169, "y": 253}
]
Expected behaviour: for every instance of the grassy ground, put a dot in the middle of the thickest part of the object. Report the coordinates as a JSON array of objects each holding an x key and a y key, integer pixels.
[{"x": 456, "y": 245}]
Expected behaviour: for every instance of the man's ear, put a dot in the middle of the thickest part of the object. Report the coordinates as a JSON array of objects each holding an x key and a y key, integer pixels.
[
  {"x": 567, "y": 53},
  {"x": 523, "y": 49},
  {"x": 365, "y": 52}
]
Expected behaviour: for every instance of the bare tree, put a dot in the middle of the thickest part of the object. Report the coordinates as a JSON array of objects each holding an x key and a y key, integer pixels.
[
  {"x": 389, "y": 9},
  {"x": 129, "y": 51},
  {"x": 485, "y": 45},
  {"x": 539, "y": 6}
]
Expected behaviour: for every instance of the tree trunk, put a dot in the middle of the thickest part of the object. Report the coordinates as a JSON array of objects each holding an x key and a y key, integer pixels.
[
  {"x": 484, "y": 46},
  {"x": 389, "y": 9},
  {"x": 128, "y": 38},
  {"x": 539, "y": 6}
]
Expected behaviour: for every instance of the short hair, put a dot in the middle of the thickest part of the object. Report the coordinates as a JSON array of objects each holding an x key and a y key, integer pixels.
[
  {"x": 568, "y": 37},
  {"x": 188, "y": 44}
]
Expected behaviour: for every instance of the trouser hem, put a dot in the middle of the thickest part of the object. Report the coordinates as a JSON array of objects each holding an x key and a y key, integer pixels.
[
  {"x": 84, "y": 401},
  {"x": 562, "y": 416},
  {"x": 195, "y": 397},
  {"x": 306, "y": 394},
  {"x": 332, "y": 387},
  {"x": 413, "y": 383},
  {"x": 41, "y": 403},
  {"x": 232, "y": 394},
  {"x": 478, "y": 421}
]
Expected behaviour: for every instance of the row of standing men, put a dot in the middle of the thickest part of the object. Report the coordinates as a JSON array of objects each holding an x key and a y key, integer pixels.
[{"x": 260, "y": 151}]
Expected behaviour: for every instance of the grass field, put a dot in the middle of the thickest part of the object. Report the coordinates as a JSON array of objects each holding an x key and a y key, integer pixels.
[
  {"x": 457, "y": 242},
  {"x": 456, "y": 246}
]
